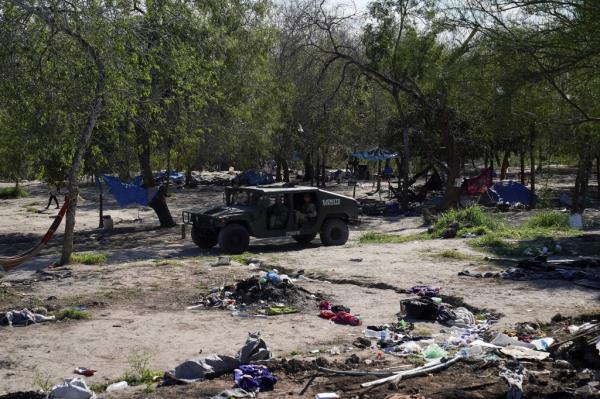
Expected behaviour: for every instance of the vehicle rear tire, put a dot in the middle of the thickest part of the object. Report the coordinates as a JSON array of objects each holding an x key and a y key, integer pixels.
[
  {"x": 304, "y": 238},
  {"x": 204, "y": 238},
  {"x": 334, "y": 232},
  {"x": 234, "y": 239}
]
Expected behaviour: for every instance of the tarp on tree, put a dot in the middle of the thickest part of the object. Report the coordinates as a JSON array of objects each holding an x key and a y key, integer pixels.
[
  {"x": 376, "y": 154},
  {"x": 127, "y": 194},
  {"x": 252, "y": 177},
  {"x": 508, "y": 192},
  {"x": 480, "y": 183}
]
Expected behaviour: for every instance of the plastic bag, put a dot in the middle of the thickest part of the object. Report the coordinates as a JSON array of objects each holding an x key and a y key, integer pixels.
[{"x": 434, "y": 351}]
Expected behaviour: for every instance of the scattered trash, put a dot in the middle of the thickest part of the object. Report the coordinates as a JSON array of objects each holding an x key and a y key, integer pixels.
[
  {"x": 233, "y": 394},
  {"x": 334, "y": 351},
  {"x": 520, "y": 353},
  {"x": 117, "y": 386},
  {"x": 356, "y": 259},
  {"x": 327, "y": 395},
  {"x": 23, "y": 317},
  {"x": 222, "y": 261},
  {"x": 460, "y": 317},
  {"x": 424, "y": 290},
  {"x": 543, "y": 343},
  {"x": 279, "y": 310},
  {"x": 253, "y": 378},
  {"x": 340, "y": 317},
  {"x": 434, "y": 351},
  {"x": 84, "y": 371},
  {"x": 72, "y": 388},
  {"x": 515, "y": 381},
  {"x": 254, "y": 350}
]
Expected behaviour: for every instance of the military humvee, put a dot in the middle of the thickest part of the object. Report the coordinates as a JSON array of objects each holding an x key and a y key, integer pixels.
[{"x": 247, "y": 212}]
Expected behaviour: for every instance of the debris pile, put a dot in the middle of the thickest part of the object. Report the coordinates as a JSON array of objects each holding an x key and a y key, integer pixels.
[
  {"x": 269, "y": 293},
  {"x": 581, "y": 271}
]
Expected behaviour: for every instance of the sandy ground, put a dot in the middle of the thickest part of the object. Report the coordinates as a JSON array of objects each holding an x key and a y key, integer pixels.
[{"x": 137, "y": 300}]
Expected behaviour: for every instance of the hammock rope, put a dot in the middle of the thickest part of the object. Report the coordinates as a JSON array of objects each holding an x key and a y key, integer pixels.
[{"x": 10, "y": 262}]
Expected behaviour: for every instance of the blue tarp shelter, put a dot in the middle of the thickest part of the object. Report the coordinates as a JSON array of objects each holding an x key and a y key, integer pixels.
[
  {"x": 509, "y": 192},
  {"x": 127, "y": 194},
  {"x": 253, "y": 177},
  {"x": 376, "y": 154}
]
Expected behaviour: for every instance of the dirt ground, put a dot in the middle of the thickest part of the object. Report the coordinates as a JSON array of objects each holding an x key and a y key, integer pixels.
[{"x": 137, "y": 299}]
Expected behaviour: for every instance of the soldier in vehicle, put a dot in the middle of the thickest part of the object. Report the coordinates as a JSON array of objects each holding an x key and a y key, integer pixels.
[
  {"x": 307, "y": 212},
  {"x": 278, "y": 214}
]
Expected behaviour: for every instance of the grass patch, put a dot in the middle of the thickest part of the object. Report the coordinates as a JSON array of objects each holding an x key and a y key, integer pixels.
[
  {"x": 13, "y": 193},
  {"x": 72, "y": 314},
  {"x": 89, "y": 258},
  {"x": 373, "y": 237},
  {"x": 452, "y": 254},
  {"x": 243, "y": 258},
  {"x": 138, "y": 373},
  {"x": 549, "y": 220},
  {"x": 416, "y": 360},
  {"x": 470, "y": 220}
]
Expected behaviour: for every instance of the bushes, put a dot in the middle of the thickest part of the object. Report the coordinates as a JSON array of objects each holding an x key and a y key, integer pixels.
[
  {"x": 549, "y": 220},
  {"x": 13, "y": 192},
  {"x": 373, "y": 237},
  {"x": 472, "y": 219}
]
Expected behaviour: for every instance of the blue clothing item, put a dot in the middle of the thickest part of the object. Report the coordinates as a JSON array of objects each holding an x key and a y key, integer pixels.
[
  {"x": 127, "y": 194},
  {"x": 253, "y": 378},
  {"x": 375, "y": 155}
]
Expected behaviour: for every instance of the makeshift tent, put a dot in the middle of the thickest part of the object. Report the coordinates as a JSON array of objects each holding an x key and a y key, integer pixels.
[
  {"x": 127, "y": 194},
  {"x": 507, "y": 192},
  {"x": 480, "y": 183},
  {"x": 376, "y": 154},
  {"x": 252, "y": 177}
]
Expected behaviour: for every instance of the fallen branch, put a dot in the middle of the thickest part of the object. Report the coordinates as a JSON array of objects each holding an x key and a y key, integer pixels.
[
  {"x": 413, "y": 373},
  {"x": 356, "y": 373}
]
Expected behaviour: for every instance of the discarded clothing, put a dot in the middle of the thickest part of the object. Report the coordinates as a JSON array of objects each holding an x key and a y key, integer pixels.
[
  {"x": 340, "y": 317},
  {"x": 424, "y": 290},
  {"x": 325, "y": 305},
  {"x": 254, "y": 378},
  {"x": 255, "y": 349},
  {"x": 23, "y": 317},
  {"x": 72, "y": 388},
  {"x": 279, "y": 310},
  {"x": 340, "y": 308},
  {"x": 515, "y": 381},
  {"x": 459, "y": 317},
  {"x": 233, "y": 394}
]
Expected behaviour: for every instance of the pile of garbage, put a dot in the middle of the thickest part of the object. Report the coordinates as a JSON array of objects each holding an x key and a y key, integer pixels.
[
  {"x": 581, "y": 271},
  {"x": 23, "y": 317},
  {"x": 268, "y": 293}
]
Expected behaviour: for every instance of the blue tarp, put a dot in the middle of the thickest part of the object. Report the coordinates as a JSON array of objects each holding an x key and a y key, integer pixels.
[
  {"x": 127, "y": 194},
  {"x": 253, "y": 177},
  {"x": 375, "y": 155},
  {"x": 509, "y": 192}
]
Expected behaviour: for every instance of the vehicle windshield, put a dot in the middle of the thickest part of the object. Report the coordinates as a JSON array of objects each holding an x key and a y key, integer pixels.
[{"x": 240, "y": 198}]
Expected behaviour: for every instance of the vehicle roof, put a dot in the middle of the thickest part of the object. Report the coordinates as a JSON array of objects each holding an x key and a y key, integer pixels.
[{"x": 278, "y": 189}]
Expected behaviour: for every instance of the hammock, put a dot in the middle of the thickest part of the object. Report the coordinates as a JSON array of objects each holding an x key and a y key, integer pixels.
[{"x": 10, "y": 262}]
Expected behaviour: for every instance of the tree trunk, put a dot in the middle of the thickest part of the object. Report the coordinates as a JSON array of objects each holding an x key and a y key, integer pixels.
[
  {"x": 188, "y": 176},
  {"x": 405, "y": 168},
  {"x": 598, "y": 176},
  {"x": 286, "y": 171},
  {"x": 278, "y": 170},
  {"x": 532, "y": 162},
  {"x": 159, "y": 202},
  {"x": 72, "y": 184},
  {"x": 522, "y": 161},
  {"x": 505, "y": 163}
]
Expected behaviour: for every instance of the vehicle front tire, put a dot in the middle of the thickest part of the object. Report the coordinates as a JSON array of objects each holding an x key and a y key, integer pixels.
[
  {"x": 334, "y": 232},
  {"x": 304, "y": 238},
  {"x": 234, "y": 239},
  {"x": 204, "y": 238}
]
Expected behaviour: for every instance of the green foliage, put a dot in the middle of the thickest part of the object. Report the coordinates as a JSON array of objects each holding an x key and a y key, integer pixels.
[
  {"x": 72, "y": 314},
  {"x": 453, "y": 254},
  {"x": 89, "y": 258},
  {"x": 373, "y": 237},
  {"x": 549, "y": 220},
  {"x": 13, "y": 192},
  {"x": 471, "y": 219}
]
